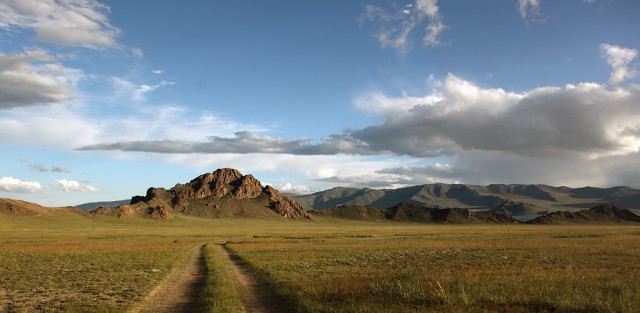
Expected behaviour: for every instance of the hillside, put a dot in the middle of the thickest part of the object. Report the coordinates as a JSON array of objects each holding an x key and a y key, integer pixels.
[
  {"x": 23, "y": 208},
  {"x": 94, "y": 205},
  {"x": 602, "y": 214},
  {"x": 408, "y": 212},
  {"x": 509, "y": 199},
  {"x": 225, "y": 192}
]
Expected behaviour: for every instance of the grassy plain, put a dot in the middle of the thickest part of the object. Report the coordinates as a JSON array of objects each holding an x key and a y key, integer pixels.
[{"x": 105, "y": 264}]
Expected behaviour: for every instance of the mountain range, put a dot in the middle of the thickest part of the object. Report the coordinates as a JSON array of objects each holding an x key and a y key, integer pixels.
[
  {"x": 510, "y": 199},
  {"x": 228, "y": 193}
]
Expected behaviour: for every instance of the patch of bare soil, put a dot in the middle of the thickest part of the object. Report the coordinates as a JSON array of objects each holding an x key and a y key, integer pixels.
[
  {"x": 180, "y": 290},
  {"x": 257, "y": 296}
]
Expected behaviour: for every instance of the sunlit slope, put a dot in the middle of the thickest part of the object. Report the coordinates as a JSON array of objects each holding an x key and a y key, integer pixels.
[{"x": 536, "y": 198}]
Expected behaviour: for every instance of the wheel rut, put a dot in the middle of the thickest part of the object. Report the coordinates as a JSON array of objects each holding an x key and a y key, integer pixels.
[
  {"x": 180, "y": 291},
  {"x": 256, "y": 296}
]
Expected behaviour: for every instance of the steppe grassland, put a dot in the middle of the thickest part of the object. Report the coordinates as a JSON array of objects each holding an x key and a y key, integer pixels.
[
  {"x": 103, "y": 264},
  {"x": 462, "y": 268},
  {"x": 106, "y": 264}
]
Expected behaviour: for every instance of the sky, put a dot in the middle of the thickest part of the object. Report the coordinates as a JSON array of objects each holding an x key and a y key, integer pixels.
[{"x": 100, "y": 100}]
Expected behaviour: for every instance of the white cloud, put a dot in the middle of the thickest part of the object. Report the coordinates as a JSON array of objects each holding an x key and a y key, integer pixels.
[
  {"x": 11, "y": 184},
  {"x": 156, "y": 71},
  {"x": 587, "y": 119},
  {"x": 289, "y": 188},
  {"x": 73, "y": 125},
  {"x": 530, "y": 10},
  {"x": 619, "y": 59},
  {"x": 435, "y": 26},
  {"x": 81, "y": 23},
  {"x": 142, "y": 90},
  {"x": 137, "y": 52},
  {"x": 396, "y": 24},
  {"x": 377, "y": 103},
  {"x": 127, "y": 89},
  {"x": 32, "y": 78},
  {"x": 72, "y": 185},
  {"x": 309, "y": 166}
]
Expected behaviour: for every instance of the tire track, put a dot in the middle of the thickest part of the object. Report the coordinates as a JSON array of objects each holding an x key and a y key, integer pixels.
[
  {"x": 180, "y": 291},
  {"x": 257, "y": 296}
]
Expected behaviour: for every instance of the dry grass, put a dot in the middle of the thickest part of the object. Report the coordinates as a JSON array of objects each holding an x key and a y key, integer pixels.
[
  {"x": 75, "y": 264},
  {"x": 456, "y": 268}
]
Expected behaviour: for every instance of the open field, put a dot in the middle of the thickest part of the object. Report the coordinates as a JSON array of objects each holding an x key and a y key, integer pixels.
[{"x": 105, "y": 264}]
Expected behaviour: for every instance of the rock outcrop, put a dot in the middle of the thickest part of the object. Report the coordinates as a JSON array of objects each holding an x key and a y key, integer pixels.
[
  {"x": 601, "y": 214},
  {"x": 225, "y": 192}
]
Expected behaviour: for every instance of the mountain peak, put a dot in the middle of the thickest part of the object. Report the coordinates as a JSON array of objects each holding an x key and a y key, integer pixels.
[{"x": 224, "y": 192}]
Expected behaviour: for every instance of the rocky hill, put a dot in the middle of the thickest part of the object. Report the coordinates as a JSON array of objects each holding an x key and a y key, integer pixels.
[
  {"x": 601, "y": 214},
  {"x": 408, "y": 212},
  {"x": 508, "y": 199},
  {"x": 225, "y": 192}
]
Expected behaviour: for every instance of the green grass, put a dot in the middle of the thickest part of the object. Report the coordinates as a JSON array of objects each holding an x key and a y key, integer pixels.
[
  {"x": 220, "y": 294},
  {"x": 105, "y": 264},
  {"x": 456, "y": 269}
]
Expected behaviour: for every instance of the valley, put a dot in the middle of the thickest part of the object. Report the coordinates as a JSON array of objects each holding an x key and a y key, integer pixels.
[{"x": 224, "y": 243}]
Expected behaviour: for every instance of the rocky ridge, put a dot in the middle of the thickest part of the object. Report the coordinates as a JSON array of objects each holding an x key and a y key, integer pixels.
[
  {"x": 408, "y": 212},
  {"x": 224, "y": 192},
  {"x": 601, "y": 214}
]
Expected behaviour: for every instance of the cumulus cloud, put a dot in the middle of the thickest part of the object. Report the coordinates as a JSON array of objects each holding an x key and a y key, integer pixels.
[
  {"x": 11, "y": 184},
  {"x": 619, "y": 59},
  {"x": 395, "y": 25},
  {"x": 72, "y": 185},
  {"x": 33, "y": 78},
  {"x": 81, "y": 23},
  {"x": 487, "y": 167},
  {"x": 289, "y": 188},
  {"x": 586, "y": 119}
]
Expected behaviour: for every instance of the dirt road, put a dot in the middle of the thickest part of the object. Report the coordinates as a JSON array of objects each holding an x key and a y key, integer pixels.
[
  {"x": 180, "y": 290},
  {"x": 257, "y": 296}
]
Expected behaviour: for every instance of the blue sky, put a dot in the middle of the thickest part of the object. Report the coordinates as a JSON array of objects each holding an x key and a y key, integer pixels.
[{"x": 100, "y": 100}]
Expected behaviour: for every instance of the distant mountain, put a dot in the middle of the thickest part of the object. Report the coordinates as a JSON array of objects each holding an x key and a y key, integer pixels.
[
  {"x": 510, "y": 207},
  {"x": 509, "y": 199},
  {"x": 225, "y": 192},
  {"x": 94, "y": 205},
  {"x": 601, "y": 214},
  {"x": 408, "y": 212}
]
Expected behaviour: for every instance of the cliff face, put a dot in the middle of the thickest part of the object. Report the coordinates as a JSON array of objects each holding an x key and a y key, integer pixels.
[{"x": 225, "y": 192}]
